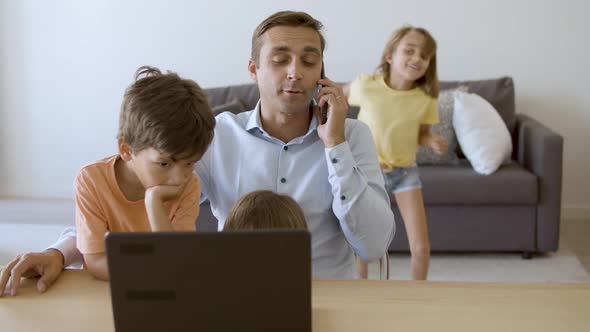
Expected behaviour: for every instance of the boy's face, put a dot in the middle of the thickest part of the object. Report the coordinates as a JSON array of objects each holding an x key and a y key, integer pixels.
[
  {"x": 409, "y": 59},
  {"x": 288, "y": 68},
  {"x": 154, "y": 168}
]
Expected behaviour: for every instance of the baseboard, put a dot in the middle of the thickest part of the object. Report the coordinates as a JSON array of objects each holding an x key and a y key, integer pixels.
[{"x": 575, "y": 212}]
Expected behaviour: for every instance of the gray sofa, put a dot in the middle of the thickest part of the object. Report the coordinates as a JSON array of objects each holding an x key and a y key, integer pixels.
[{"x": 517, "y": 208}]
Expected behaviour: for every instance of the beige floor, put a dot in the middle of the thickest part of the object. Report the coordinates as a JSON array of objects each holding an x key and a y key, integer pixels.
[{"x": 575, "y": 234}]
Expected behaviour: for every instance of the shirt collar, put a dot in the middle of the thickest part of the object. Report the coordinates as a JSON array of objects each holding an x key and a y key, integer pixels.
[{"x": 255, "y": 123}]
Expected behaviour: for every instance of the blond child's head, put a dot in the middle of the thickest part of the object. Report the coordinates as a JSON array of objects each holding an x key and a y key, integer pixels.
[
  {"x": 165, "y": 126},
  {"x": 264, "y": 209},
  {"x": 411, "y": 54}
]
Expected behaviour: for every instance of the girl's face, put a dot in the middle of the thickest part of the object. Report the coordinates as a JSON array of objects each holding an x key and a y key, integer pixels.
[{"x": 409, "y": 60}]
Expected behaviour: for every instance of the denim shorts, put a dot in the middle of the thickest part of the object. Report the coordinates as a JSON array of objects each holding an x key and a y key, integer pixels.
[{"x": 402, "y": 179}]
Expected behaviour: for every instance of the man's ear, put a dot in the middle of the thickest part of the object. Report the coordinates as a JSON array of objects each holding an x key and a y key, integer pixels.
[
  {"x": 124, "y": 149},
  {"x": 252, "y": 69}
]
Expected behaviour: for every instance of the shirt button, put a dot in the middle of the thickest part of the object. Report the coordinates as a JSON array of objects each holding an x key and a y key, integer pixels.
[
  {"x": 285, "y": 148},
  {"x": 342, "y": 197},
  {"x": 334, "y": 160},
  {"x": 283, "y": 180}
]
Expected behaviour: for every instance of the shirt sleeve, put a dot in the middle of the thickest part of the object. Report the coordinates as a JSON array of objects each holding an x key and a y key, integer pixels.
[
  {"x": 360, "y": 202},
  {"x": 431, "y": 114},
  {"x": 91, "y": 223},
  {"x": 185, "y": 216},
  {"x": 66, "y": 244}
]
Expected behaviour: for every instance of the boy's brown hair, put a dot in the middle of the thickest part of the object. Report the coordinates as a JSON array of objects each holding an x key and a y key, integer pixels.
[
  {"x": 264, "y": 209},
  {"x": 428, "y": 82},
  {"x": 285, "y": 18},
  {"x": 167, "y": 113}
]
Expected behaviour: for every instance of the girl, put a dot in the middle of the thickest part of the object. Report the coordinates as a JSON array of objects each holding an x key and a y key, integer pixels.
[
  {"x": 264, "y": 209},
  {"x": 399, "y": 104}
]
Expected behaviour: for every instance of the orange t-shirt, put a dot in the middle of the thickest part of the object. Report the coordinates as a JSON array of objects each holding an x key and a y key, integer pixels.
[{"x": 101, "y": 207}]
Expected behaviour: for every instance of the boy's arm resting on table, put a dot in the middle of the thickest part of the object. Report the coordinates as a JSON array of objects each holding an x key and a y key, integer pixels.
[
  {"x": 360, "y": 202},
  {"x": 97, "y": 265}
]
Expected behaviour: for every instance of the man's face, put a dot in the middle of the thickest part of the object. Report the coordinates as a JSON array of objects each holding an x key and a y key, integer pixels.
[
  {"x": 154, "y": 168},
  {"x": 288, "y": 68},
  {"x": 410, "y": 60}
]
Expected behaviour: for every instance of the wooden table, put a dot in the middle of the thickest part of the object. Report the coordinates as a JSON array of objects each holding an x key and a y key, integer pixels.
[{"x": 77, "y": 302}]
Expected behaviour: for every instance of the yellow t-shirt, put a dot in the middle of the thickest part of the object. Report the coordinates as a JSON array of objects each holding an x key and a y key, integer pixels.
[
  {"x": 394, "y": 117},
  {"x": 101, "y": 207}
]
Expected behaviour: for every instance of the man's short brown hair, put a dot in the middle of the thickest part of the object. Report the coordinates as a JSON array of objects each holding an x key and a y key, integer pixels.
[
  {"x": 167, "y": 113},
  {"x": 285, "y": 18}
]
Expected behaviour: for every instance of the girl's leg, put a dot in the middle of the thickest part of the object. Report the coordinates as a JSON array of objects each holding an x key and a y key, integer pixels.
[
  {"x": 363, "y": 268},
  {"x": 411, "y": 206}
]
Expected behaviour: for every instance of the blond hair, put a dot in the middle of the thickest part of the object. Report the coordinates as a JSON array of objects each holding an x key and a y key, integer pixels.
[
  {"x": 167, "y": 113},
  {"x": 285, "y": 18},
  {"x": 428, "y": 82},
  {"x": 264, "y": 209}
]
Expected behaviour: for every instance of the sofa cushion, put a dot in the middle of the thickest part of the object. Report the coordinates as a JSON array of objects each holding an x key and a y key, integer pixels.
[
  {"x": 449, "y": 185},
  {"x": 235, "y": 106},
  {"x": 499, "y": 92},
  {"x": 247, "y": 93},
  {"x": 427, "y": 156}
]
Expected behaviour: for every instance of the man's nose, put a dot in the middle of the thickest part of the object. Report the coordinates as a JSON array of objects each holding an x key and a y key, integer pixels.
[{"x": 293, "y": 72}]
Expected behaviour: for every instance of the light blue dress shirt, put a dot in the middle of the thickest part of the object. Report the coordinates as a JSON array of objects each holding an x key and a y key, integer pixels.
[{"x": 340, "y": 189}]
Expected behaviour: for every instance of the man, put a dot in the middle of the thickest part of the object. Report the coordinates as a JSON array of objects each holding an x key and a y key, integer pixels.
[{"x": 330, "y": 169}]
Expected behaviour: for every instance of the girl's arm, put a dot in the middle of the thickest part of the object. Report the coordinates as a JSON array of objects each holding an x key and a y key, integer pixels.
[
  {"x": 434, "y": 141},
  {"x": 424, "y": 134}
]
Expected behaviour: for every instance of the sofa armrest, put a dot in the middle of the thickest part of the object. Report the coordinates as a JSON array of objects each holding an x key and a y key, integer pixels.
[{"x": 540, "y": 150}]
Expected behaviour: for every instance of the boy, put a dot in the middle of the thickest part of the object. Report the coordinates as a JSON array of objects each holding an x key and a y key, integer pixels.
[{"x": 165, "y": 126}]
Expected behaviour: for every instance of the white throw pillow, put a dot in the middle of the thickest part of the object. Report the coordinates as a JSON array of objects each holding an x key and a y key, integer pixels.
[{"x": 481, "y": 133}]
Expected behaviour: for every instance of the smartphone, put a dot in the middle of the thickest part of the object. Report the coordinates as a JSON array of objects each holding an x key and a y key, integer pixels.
[{"x": 324, "y": 110}]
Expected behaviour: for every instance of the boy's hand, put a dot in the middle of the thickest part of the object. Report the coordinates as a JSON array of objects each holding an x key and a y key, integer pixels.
[
  {"x": 157, "y": 214},
  {"x": 163, "y": 193},
  {"x": 436, "y": 142},
  {"x": 47, "y": 264}
]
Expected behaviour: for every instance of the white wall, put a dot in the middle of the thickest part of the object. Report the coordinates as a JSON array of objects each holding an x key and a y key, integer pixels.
[{"x": 64, "y": 66}]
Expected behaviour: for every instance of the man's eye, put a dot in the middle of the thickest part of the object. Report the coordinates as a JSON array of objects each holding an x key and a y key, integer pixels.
[
  {"x": 164, "y": 164},
  {"x": 409, "y": 51},
  {"x": 191, "y": 164},
  {"x": 279, "y": 60}
]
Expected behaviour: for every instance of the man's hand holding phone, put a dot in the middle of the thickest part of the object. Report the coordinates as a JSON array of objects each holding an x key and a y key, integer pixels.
[{"x": 332, "y": 96}]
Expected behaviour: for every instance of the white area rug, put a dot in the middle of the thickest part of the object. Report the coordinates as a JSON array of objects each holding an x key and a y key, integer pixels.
[{"x": 562, "y": 266}]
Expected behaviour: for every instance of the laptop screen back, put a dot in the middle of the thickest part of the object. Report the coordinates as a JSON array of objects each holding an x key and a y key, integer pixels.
[{"x": 218, "y": 281}]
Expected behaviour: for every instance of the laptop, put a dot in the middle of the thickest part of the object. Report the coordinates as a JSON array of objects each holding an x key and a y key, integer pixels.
[{"x": 210, "y": 281}]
